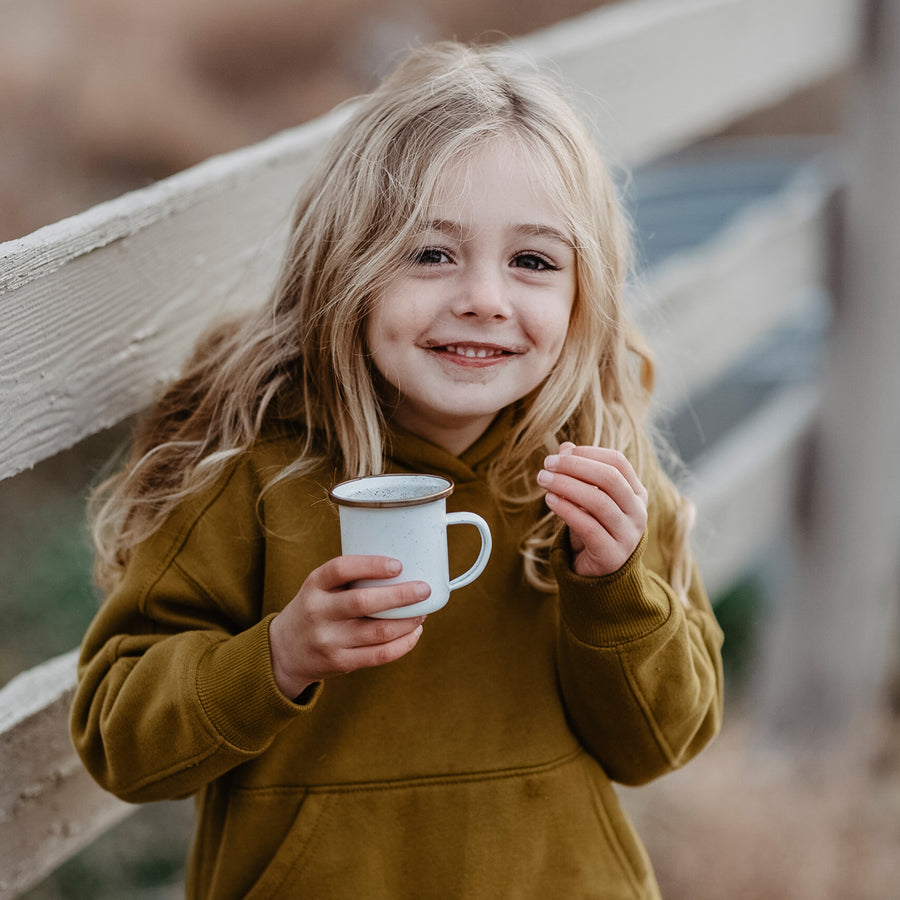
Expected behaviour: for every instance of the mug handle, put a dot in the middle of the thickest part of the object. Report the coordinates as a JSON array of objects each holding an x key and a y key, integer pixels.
[{"x": 468, "y": 518}]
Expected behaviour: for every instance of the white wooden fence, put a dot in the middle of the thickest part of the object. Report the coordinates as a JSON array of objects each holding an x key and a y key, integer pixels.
[{"x": 97, "y": 310}]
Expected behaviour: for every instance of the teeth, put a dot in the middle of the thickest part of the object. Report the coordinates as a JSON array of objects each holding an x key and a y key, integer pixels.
[{"x": 472, "y": 353}]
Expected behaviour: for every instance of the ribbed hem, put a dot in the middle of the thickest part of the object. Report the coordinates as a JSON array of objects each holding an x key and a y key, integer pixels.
[
  {"x": 603, "y": 611},
  {"x": 238, "y": 692}
]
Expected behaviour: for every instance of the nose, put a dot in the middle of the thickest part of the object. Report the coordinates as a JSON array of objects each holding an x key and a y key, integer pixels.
[{"x": 482, "y": 295}]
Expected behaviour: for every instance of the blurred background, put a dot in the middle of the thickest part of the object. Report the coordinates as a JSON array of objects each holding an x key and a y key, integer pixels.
[
  {"x": 101, "y": 96},
  {"x": 98, "y": 97}
]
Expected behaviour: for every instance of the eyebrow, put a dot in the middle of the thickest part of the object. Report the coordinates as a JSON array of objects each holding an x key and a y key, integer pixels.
[{"x": 527, "y": 229}]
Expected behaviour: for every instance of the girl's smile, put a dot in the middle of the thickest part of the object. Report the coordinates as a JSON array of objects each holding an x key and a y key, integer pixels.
[
  {"x": 478, "y": 318},
  {"x": 473, "y": 355}
]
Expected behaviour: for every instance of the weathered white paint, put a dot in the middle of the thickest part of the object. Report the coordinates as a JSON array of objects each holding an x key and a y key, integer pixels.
[
  {"x": 49, "y": 806},
  {"x": 87, "y": 343},
  {"x": 96, "y": 310},
  {"x": 669, "y": 71},
  {"x": 232, "y": 175}
]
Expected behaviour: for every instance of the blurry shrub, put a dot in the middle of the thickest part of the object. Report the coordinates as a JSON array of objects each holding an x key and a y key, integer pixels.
[
  {"x": 48, "y": 597},
  {"x": 738, "y": 611}
]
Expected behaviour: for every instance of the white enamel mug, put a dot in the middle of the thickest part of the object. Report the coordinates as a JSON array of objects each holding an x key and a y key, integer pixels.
[{"x": 405, "y": 517}]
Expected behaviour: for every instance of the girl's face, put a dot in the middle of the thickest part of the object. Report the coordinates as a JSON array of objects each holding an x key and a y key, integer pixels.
[{"x": 479, "y": 319}]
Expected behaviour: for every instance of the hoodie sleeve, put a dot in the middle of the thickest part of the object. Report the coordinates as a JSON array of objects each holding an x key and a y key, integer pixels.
[
  {"x": 175, "y": 685},
  {"x": 641, "y": 672}
]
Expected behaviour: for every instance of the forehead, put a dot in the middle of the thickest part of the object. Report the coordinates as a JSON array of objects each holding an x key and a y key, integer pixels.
[{"x": 499, "y": 180}]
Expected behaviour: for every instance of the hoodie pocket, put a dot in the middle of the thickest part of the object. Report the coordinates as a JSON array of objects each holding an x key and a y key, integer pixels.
[
  {"x": 547, "y": 831},
  {"x": 291, "y": 854},
  {"x": 264, "y": 839},
  {"x": 620, "y": 836}
]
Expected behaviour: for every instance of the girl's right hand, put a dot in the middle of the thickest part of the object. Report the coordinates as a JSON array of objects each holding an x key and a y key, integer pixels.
[{"x": 327, "y": 630}]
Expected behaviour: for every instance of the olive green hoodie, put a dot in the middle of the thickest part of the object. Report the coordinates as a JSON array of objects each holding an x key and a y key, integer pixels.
[{"x": 478, "y": 766}]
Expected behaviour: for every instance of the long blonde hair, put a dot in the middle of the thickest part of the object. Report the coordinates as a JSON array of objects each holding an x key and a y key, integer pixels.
[{"x": 299, "y": 362}]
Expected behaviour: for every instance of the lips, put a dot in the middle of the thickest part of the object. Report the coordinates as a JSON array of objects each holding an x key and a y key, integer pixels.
[{"x": 472, "y": 355}]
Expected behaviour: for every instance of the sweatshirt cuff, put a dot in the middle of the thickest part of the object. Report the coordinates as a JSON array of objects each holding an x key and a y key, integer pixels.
[
  {"x": 238, "y": 693},
  {"x": 612, "y": 609}
]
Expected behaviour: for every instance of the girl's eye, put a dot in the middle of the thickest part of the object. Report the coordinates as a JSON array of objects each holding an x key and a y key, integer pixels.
[
  {"x": 430, "y": 256},
  {"x": 533, "y": 261}
]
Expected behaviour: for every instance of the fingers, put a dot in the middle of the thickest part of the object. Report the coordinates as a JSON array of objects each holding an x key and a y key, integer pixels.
[
  {"x": 326, "y": 629},
  {"x": 302, "y": 657},
  {"x": 597, "y": 493},
  {"x": 370, "y": 645},
  {"x": 597, "y": 550},
  {"x": 599, "y": 481},
  {"x": 371, "y": 634},
  {"x": 382, "y": 654},
  {"x": 343, "y": 570},
  {"x": 343, "y": 599},
  {"x": 339, "y": 647},
  {"x": 608, "y": 469}
]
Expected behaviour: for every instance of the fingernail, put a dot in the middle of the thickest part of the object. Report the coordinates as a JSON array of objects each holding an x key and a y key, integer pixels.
[
  {"x": 422, "y": 590},
  {"x": 394, "y": 567},
  {"x": 551, "y": 462},
  {"x": 544, "y": 477},
  {"x": 551, "y": 499},
  {"x": 566, "y": 448}
]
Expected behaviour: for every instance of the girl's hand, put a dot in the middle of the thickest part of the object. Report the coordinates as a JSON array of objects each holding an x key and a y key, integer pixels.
[
  {"x": 596, "y": 492},
  {"x": 326, "y": 629}
]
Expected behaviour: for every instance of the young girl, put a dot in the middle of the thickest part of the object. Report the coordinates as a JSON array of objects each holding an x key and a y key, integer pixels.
[{"x": 451, "y": 304}]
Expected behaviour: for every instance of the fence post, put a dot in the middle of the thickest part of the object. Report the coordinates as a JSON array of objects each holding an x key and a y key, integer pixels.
[{"x": 833, "y": 633}]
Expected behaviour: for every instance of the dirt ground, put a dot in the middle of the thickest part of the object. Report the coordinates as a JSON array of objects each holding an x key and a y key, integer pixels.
[{"x": 753, "y": 823}]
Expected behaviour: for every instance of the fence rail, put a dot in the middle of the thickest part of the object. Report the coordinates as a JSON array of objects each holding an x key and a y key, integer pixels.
[{"x": 97, "y": 310}]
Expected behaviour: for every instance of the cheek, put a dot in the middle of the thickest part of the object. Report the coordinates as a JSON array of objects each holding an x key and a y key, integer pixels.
[
  {"x": 392, "y": 319},
  {"x": 370, "y": 337},
  {"x": 374, "y": 340},
  {"x": 385, "y": 340},
  {"x": 553, "y": 328}
]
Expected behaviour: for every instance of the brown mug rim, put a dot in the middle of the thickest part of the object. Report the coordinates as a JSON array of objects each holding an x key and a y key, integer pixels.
[{"x": 392, "y": 504}]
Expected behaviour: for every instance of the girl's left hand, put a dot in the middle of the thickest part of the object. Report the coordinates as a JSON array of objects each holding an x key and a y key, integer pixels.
[{"x": 596, "y": 492}]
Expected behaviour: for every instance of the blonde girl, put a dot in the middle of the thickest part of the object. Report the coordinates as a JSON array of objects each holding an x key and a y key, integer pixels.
[{"x": 451, "y": 302}]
